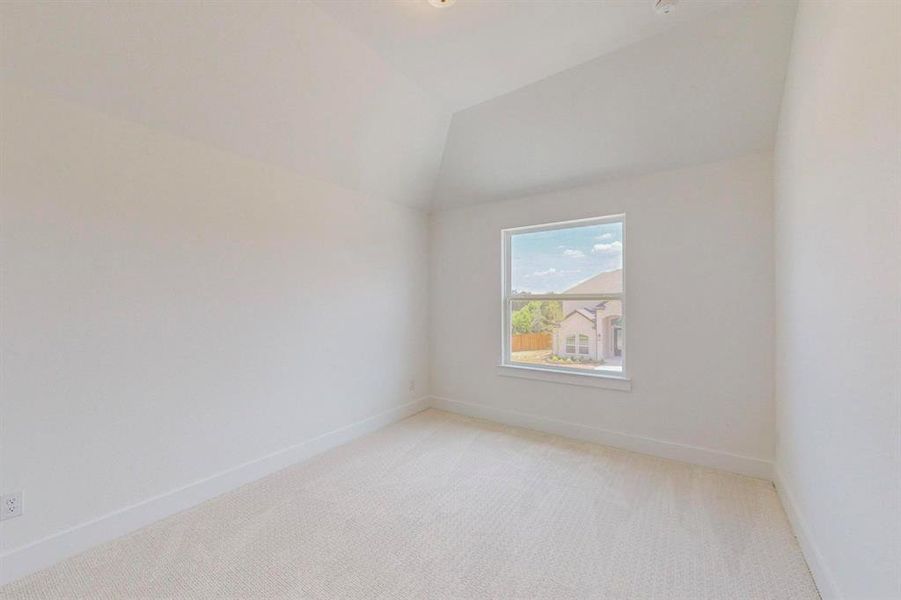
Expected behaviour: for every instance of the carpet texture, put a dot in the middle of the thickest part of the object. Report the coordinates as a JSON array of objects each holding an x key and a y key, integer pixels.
[{"x": 443, "y": 506}]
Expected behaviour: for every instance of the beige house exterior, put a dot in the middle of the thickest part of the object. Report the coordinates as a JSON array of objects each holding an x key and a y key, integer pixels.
[{"x": 592, "y": 330}]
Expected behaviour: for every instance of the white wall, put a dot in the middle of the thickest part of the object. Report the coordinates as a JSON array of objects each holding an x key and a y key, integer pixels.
[
  {"x": 699, "y": 278},
  {"x": 204, "y": 268},
  {"x": 171, "y": 311},
  {"x": 837, "y": 295}
]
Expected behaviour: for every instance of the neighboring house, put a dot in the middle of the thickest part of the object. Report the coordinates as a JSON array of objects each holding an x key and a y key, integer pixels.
[{"x": 589, "y": 329}]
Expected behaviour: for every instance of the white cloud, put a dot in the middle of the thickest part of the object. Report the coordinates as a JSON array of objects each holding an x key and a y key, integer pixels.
[
  {"x": 550, "y": 271},
  {"x": 574, "y": 253},
  {"x": 605, "y": 236},
  {"x": 611, "y": 248}
]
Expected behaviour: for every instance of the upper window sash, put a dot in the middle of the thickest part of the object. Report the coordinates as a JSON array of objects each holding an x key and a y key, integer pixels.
[
  {"x": 526, "y": 296},
  {"x": 507, "y": 236},
  {"x": 567, "y": 224}
]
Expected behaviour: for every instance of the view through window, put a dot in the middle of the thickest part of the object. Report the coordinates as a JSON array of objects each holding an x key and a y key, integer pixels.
[{"x": 563, "y": 296}]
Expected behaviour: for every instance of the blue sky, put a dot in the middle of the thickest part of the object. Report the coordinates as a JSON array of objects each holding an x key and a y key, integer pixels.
[{"x": 552, "y": 261}]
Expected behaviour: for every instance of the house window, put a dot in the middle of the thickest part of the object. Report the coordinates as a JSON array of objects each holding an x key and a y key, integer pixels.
[
  {"x": 563, "y": 290},
  {"x": 583, "y": 343}
]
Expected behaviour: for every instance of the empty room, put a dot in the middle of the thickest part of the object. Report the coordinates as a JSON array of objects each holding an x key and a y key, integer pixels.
[{"x": 450, "y": 299}]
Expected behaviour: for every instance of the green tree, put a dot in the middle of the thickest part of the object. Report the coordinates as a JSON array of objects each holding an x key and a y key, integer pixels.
[
  {"x": 522, "y": 320},
  {"x": 551, "y": 313},
  {"x": 536, "y": 316}
]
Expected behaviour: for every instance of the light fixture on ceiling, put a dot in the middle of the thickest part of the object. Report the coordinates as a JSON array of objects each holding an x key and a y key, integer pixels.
[
  {"x": 441, "y": 3},
  {"x": 665, "y": 7}
]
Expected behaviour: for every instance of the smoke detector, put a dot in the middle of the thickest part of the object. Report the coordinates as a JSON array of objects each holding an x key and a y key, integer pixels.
[
  {"x": 441, "y": 3},
  {"x": 665, "y": 7}
]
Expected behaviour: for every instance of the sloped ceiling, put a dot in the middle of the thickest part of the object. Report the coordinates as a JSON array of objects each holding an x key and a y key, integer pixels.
[
  {"x": 699, "y": 92},
  {"x": 279, "y": 82},
  {"x": 476, "y": 50},
  {"x": 360, "y": 93}
]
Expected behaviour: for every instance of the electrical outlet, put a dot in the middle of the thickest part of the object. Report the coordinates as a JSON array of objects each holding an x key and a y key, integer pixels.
[
  {"x": 11, "y": 506},
  {"x": 412, "y": 385}
]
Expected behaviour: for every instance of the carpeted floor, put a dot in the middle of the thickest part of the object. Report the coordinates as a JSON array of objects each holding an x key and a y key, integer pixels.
[{"x": 442, "y": 506}]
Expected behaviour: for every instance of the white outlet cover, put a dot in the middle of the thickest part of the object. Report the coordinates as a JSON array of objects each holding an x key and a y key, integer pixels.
[{"x": 10, "y": 506}]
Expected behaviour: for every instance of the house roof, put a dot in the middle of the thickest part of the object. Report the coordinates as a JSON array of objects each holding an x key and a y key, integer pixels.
[
  {"x": 590, "y": 315},
  {"x": 608, "y": 282}
]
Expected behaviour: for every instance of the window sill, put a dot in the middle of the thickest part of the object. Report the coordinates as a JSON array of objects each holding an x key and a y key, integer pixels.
[{"x": 610, "y": 382}]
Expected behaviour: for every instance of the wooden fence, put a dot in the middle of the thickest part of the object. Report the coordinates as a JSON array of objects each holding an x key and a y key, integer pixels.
[{"x": 531, "y": 341}]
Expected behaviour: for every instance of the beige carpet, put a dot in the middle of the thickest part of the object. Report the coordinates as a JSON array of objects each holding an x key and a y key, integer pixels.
[{"x": 442, "y": 506}]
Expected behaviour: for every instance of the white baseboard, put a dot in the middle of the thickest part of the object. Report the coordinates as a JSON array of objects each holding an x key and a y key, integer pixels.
[
  {"x": 821, "y": 574},
  {"x": 43, "y": 553},
  {"x": 743, "y": 465}
]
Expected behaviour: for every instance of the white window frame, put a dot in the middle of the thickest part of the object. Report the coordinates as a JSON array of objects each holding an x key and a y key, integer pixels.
[
  {"x": 586, "y": 348},
  {"x": 568, "y": 345},
  {"x": 560, "y": 374}
]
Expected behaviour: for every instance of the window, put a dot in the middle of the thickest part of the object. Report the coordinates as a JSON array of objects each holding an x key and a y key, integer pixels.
[
  {"x": 563, "y": 301},
  {"x": 583, "y": 344}
]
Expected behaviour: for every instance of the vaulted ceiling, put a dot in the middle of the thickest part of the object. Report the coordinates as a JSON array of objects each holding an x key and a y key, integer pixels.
[
  {"x": 702, "y": 91},
  {"x": 476, "y": 50},
  {"x": 279, "y": 82},
  {"x": 361, "y": 93}
]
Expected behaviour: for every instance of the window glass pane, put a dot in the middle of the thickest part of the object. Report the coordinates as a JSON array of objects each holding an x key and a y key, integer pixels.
[
  {"x": 580, "y": 260},
  {"x": 583, "y": 344},
  {"x": 542, "y": 334}
]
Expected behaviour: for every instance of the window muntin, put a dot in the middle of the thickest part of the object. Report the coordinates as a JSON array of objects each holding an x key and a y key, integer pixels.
[
  {"x": 563, "y": 296},
  {"x": 583, "y": 344}
]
